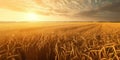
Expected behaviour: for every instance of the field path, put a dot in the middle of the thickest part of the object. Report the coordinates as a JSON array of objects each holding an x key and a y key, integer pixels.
[{"x": 71, "y": 27}]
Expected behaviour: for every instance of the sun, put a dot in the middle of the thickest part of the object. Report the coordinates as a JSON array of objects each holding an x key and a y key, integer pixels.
[{"x": 32, "y": 17}]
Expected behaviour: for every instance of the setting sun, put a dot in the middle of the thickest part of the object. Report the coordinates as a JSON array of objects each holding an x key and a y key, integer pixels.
[{"x": 31, "y": 17}]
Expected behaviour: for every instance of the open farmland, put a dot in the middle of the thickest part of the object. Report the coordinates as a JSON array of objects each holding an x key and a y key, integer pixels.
[{"x": 60, "y": 41}]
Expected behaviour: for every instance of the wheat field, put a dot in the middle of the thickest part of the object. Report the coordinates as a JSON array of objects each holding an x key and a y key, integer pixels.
[{"x": 60, "y": 41}]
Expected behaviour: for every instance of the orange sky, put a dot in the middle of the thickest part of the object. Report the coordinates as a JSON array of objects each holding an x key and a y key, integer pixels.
[
  {"x": 11, "y": 15},
  {"x": 13, "y": 10},
  {"x": 59, "y": 10}
]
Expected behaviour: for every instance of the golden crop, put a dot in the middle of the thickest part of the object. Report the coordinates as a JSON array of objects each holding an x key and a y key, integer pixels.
[{"x": 62, "y": 41}]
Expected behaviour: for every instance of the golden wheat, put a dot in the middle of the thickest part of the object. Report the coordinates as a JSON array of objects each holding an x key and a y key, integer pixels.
[{"x": 71, "y": 42}]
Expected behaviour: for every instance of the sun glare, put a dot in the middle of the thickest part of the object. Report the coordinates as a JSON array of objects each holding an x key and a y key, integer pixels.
[{"x": 32, "y": 17}]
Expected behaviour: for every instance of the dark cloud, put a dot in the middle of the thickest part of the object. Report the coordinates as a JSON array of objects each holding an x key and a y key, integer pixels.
[
  {"x": 106, "y": 10},
  {"x": 106, "y": 13}
]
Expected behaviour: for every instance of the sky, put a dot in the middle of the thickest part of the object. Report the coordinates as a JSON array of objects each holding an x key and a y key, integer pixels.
[{"x": 60, "y": 10}]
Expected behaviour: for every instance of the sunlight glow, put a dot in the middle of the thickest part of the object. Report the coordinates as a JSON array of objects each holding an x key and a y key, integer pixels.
[{"x": 32, "y": 17}]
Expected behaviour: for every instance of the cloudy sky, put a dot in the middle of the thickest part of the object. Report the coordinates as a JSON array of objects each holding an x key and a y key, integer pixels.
[{"x": 60, "y": 10}]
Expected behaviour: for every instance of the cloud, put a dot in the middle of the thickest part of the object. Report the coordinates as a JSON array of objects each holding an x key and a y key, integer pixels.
[
  {"x": 69, "y": 8},
  {"x": 106, "y": 10},
  {"x": 107, "y": 13}
]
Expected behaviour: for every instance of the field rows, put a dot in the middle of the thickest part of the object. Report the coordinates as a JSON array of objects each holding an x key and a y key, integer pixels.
[{"x": 68, "y": 41}]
